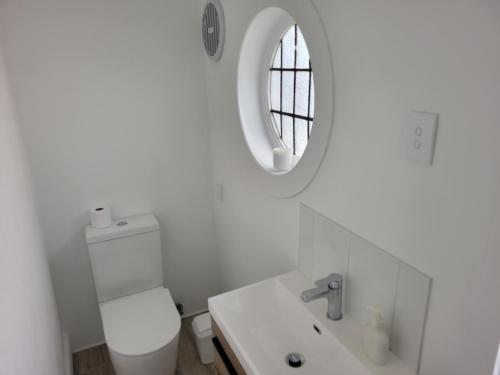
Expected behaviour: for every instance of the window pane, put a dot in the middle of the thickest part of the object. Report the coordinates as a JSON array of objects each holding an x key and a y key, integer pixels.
[
  {"x": 300, "y": 136},
  {"x": 277, "y": 122},
  {"x": 302, "y": 52},
  {"x": 287, "y": 92},
  {"x": 289, "y": 48},
  {"x": 277, "y": 58},
  {"x": 302, "y": 93},
  {"x": 287, "y": 87},
  {"x": 275, "y": 90},
  {"x": 288, "y": 131}
]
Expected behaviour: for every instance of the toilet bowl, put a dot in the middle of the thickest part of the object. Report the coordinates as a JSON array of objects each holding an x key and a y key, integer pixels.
[
  {"x": 142, "y": 332},
  {"x": 141, "y": 323}
]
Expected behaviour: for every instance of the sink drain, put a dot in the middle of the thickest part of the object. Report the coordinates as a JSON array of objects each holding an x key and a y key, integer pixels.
[{"x": 295, "y": 360}]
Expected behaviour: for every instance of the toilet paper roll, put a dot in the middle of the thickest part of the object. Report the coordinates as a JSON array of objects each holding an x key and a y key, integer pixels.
[{"x": 100, "y": 216}]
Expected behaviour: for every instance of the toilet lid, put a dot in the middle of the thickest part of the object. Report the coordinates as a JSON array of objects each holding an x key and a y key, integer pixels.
[{"x": 140, "y": 323}]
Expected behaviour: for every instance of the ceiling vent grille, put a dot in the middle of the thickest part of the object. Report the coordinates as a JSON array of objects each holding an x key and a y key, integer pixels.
[{"x": 213, "y": 29}]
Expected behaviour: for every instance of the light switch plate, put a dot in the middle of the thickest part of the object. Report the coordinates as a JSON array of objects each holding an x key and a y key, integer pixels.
[{"x": 420, "y": 137}]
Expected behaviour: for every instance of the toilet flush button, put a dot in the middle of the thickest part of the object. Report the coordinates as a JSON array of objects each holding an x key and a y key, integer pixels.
[{"x": 121, "y": 223}]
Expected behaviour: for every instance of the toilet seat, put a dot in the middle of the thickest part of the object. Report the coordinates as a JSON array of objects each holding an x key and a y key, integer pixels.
[{"x": 141, "y": 323}]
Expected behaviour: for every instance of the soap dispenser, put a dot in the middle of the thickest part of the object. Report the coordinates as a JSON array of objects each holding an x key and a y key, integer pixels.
[{"x": 375, "y": 340}]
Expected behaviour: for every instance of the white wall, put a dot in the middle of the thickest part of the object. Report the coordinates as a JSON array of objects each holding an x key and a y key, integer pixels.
[
  {"x": 112, "y": 107},
  {"x": 31, "y": 338},
  {"x": 109, "y": 93},
  {"x": 390, "y": 57}
]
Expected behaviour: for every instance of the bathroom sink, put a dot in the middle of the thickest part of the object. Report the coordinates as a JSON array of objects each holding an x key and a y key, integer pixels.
[{"x": 266, "y": 321}]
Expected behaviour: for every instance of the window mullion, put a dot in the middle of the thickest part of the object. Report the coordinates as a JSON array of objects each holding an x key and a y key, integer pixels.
[
  {"x": 292, "y": 115},
  {"x": 309, "y": 102},
  {"x": 294, "y": 84},
  {"x": 290, "y": 69},
  {"x": 281, "y": 89}
]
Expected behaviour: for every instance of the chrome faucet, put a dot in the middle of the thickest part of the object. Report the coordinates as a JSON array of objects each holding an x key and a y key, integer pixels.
[{"x": 330, "y": 288}]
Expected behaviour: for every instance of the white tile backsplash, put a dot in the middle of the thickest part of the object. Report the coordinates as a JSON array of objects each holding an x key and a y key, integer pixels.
[
  {"x": 331, "y": 248},
  {"x": 372, "y": 277},
  {"x": 372, "y": 281},
  {"x": 412, "y": 296}
]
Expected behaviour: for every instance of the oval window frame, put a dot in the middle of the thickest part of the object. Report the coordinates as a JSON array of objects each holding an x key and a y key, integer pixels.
[{"x": 264, "y": 31}]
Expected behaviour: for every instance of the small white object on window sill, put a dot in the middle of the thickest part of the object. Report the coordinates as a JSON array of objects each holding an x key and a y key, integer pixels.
[{"x": 282, "y": 158}]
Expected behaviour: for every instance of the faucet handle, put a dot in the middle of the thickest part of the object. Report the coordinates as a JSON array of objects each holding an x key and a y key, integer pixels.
[{"x": 333, "y": 281}]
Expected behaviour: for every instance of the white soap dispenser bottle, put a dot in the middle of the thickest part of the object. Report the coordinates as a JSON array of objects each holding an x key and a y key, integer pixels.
[{"x": 375, "y": 340}]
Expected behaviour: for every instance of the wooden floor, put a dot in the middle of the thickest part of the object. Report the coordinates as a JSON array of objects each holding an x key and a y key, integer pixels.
[{"x": 95, "y": 361}]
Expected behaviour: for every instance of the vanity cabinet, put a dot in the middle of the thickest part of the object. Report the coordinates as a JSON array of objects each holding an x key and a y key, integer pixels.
[{"x": 225, "y": 360}]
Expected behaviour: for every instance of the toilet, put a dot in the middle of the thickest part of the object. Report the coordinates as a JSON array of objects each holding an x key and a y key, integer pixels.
[{"x": 141, "y": 323}]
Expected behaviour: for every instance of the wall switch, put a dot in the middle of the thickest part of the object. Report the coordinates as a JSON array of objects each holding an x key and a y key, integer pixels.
[{"x": 420, "y": 137}]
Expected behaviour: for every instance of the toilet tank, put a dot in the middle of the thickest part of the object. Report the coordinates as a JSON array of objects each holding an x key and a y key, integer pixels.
[{"x": 125, "y": 257}]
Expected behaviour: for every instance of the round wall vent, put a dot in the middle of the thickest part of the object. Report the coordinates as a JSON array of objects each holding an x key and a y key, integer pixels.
[{"x": 213, "y": 29}]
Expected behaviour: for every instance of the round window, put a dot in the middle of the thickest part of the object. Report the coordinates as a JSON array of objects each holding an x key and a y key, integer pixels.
[
  {"x": 291, "y": 91},
  {"x": 286, "y": 111}
]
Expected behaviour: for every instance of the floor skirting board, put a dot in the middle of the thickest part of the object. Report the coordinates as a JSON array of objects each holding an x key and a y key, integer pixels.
[{"x": 194, "y": 313}]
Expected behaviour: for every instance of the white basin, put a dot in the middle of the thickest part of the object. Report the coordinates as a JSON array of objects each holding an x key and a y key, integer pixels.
[{"x": 266, "y": 321}]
